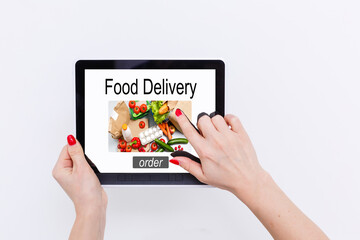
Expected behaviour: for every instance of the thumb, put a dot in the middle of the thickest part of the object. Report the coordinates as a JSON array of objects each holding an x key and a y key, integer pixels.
[
  {"x": 194, "y": 168},
  {"x": 75, "y": 151}
]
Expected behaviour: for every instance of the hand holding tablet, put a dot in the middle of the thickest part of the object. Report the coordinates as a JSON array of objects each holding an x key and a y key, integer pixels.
[
  {"x": 227, "y": 157},
  {"x": 79, "y": 181}
]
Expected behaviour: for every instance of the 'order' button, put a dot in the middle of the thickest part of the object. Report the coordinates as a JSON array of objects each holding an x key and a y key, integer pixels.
[{"x": 151, "y": 162}]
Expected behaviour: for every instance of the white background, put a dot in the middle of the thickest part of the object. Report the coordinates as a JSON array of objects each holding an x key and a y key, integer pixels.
[{"x": 292, "y": 72}]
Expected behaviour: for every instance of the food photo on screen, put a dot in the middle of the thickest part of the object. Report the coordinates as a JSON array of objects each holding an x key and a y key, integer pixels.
[{"x": 143, "y": 126}]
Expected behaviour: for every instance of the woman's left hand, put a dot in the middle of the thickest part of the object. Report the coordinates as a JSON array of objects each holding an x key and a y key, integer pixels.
[{"x": 79, "y": 181}]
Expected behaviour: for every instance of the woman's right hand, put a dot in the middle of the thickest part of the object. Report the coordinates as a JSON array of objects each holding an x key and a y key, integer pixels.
[{"x": 228, "y": 159}]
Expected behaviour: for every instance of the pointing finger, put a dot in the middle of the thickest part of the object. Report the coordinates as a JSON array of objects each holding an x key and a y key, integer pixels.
[{"x": 188, "y": 130}]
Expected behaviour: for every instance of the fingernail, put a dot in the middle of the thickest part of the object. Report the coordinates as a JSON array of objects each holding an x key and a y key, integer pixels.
[
  {"x": 174, "y": 161},
  {"x": 71, "y": 140},
  {"x": 178, "y": 112}
]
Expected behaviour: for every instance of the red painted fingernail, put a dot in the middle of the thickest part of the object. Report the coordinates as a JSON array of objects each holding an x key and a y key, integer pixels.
[
  {"x": 178, "y": 112},
  {"x": 71, "y": 140},
  {"x": 174, "y": 161}
]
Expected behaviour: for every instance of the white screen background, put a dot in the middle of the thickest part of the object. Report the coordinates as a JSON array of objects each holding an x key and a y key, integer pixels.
[{"x": 97, "y": 115}]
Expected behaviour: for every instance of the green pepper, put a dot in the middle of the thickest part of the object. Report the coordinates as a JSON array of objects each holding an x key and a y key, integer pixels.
[
  {"x": 177, "y": 141},
  {"x": 160, "y": 150},
  {"x": 164, "y": 145}
]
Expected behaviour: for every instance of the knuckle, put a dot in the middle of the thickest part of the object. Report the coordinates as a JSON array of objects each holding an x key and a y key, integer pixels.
[
  {"x": 202, "y": 179},
  {"x": 219, "y": 137},
  {"x": 225, "y": 142},
  {"x": 217, "y": 140},
  {"x": 187, "y": 166},
  {"x": 230, "y": 136},
  {"x": 216, "y": 118},
  {"x": 236, "y": 120},
  {"x": 74, "y": 151},
  {"x": 201, "y": 151},
  {"x": 207, "y": 154},
  {"x": 228, "y": 116},
  {"x": 181, "y": 121},
  {"x": 55, "y": 174},
  {"x": 202, "y": 120},
  {"x": 231, "y": 117},
  {"x": 199, "y": 123}
]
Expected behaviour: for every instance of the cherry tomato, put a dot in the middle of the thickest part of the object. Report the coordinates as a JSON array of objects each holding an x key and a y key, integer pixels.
[
  {"x": 143, "y": 108},
  {"x": 132, "y": 104},
  {"x": 162, "y": 140},
  {"x": 119, "y": 146},
  {"x": 154, "y": 146},
  {"x": 141, "y": 124},
  {"x": 122, "y": 143},
  {"x": 175, "y": 148},
  {"x": 128, "y": 148},
  {"x": 136, "y": 109}
]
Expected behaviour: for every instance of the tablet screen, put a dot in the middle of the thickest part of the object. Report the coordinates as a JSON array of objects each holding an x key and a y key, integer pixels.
[{"x": 130, "y": 122}]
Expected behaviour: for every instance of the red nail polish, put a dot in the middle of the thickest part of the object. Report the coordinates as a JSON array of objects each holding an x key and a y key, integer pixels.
[
  {"x": 178, "y": 112},
  {"x": 71, "y": 140},
  {"x": 174, "y": 161}
]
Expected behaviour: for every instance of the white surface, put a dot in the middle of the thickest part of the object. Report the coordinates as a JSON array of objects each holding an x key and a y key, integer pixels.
[{"x": 292, "y": 72}]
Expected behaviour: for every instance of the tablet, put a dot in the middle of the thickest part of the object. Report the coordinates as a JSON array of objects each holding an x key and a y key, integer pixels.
[{"x": 125, "y": 115}]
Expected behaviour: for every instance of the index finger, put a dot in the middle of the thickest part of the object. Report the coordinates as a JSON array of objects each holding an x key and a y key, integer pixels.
[{"x": 188, "y": 129}]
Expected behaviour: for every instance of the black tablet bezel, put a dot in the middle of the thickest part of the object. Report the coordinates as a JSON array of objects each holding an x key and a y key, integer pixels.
[{"x": 143, "y": 178}]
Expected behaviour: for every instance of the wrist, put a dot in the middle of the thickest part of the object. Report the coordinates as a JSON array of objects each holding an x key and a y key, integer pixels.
[
  {"x": 91, "y": 208},
  {"x": 89, "y": 222},
  {"x": 94, "y": 211},
  {"x": 250, "y": 192}
]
